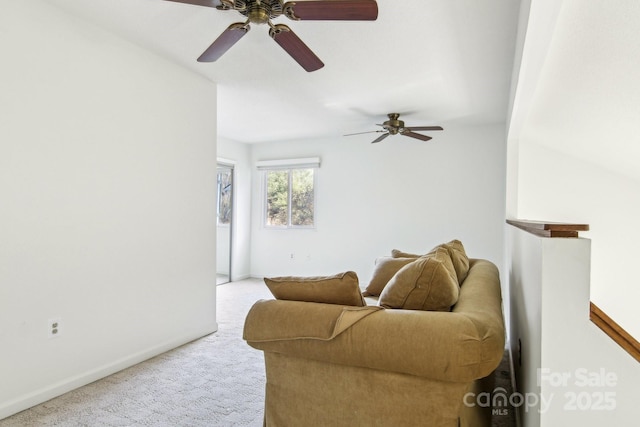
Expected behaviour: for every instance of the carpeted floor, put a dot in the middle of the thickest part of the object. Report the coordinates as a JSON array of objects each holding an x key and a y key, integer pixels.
[{"x": 217, "y": 380}]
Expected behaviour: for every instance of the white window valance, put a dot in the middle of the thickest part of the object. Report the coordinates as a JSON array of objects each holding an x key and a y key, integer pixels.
[
  {"x": 226, "y": 162},
  {"x": 303, "y": 163}
]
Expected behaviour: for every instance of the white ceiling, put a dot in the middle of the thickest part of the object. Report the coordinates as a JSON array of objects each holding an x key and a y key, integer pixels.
[{"x": 438, "y": 62}]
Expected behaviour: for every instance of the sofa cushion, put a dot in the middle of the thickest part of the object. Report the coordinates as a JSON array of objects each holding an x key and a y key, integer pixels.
[
  {"x": 383, "y": 271},
  {"x": 428, "y": 283},
  {"x": 342, "y": 288},
  {"x": 456, "y": 252},
  {"x": 459, "y": 258}
]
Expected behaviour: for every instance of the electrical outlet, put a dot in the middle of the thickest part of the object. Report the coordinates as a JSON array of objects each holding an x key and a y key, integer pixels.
[{"x": 54, "y": 327}]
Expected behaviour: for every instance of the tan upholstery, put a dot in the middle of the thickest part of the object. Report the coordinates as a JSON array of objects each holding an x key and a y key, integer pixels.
[
  {"x": 342, "y": 288},
  {"x": 390, "y": 367},
  {"x": 456, "y": 252},
  {"x": 459, "y": 258},
  {"x": 428, "y": 283},
  {"x": 384, "y": 269}
]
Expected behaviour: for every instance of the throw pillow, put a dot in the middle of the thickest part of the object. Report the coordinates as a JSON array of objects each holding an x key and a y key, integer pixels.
[
  {"x": 396, "y": 253},
  {"x": 383, "y": 271},
  {"x": 428, "y": 283},
  {"x": 340, "y": 289},
  {"x": 459, "y": 258},
  {"x": 456, "y": 252}
]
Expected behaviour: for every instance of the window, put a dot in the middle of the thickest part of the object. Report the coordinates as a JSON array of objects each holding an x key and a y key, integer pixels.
[{"x": 289, "y": 191}]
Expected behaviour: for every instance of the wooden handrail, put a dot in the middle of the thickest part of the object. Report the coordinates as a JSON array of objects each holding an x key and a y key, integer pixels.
[
  {"x": 549, "y": 229},
  {"x": 615, "y": 331}
]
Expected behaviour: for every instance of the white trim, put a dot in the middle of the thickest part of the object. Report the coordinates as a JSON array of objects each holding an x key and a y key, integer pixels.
[
  {"x": 226, "y": 162},
  {"x": 303, "y": 163}
]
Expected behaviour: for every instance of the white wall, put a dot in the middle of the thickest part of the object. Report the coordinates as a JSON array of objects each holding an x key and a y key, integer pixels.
[
  {"x": 239, "y": 153},
  {"x": 536, "y": 24},
  {"x": 525, "y": 323},
  {"x": 573, "y": 156},
  {"x": 579, "y": 146},
  {"x": 107, "y": 167},
  {"x": 402, "y": 193},
  {"x": 575, "y": 190},
  {"x": 586, "y": 379}
]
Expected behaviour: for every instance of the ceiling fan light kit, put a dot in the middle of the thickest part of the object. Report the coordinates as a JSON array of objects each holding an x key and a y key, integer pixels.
[
  {"x": 263, "y": 11},
  {"x": 395, "y": 126}
]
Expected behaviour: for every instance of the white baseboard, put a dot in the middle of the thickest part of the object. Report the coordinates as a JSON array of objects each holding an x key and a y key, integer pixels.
[{"x": 57, "y": 389}]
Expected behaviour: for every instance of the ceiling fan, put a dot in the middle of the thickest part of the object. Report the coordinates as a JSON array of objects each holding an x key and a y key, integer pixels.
[
  {"x": 394, "y": 126},
  {"x": 263, "y": 11}
]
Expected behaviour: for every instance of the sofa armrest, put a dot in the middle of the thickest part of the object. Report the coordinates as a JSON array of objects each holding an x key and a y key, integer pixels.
[
  {"x": 284, "y": 320},
  {"x": 437, "y": 345}
]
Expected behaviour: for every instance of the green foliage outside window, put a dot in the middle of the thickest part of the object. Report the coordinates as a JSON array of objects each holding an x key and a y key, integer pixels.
[
  {"x": 277, "y": 198},
  {"x": 302, "y": 197},
  {"x": 290, "y": 198}
]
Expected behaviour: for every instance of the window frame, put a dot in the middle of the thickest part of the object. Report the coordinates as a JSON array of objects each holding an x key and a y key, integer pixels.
[{"x": 289, "y": 169}]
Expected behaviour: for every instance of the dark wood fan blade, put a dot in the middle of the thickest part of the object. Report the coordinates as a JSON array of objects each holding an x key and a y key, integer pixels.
[
  {"x": 416, "y": 135},
  {"x": 295, "y": 47},
  {"x": 223, "y": 43},
  {"x": 332, "y": 10},
  {"x": 424, "y": 128},
  {"x": 380, "y": 138},
  {"x": 361, "y": 133},
  {"x": 207, "y": 3}
]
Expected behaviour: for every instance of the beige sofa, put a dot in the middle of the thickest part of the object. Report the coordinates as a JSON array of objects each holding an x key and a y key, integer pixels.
[{"x": 336, "y": 365}]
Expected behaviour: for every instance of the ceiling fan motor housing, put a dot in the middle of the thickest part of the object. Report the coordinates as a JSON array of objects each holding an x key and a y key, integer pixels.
[
  {"x": 393, "y": 125},
  {"x": 260, "y": 12}
]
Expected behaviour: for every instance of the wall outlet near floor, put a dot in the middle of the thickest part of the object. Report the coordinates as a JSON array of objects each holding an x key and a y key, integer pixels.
[{"x": 54, "y": 327}]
